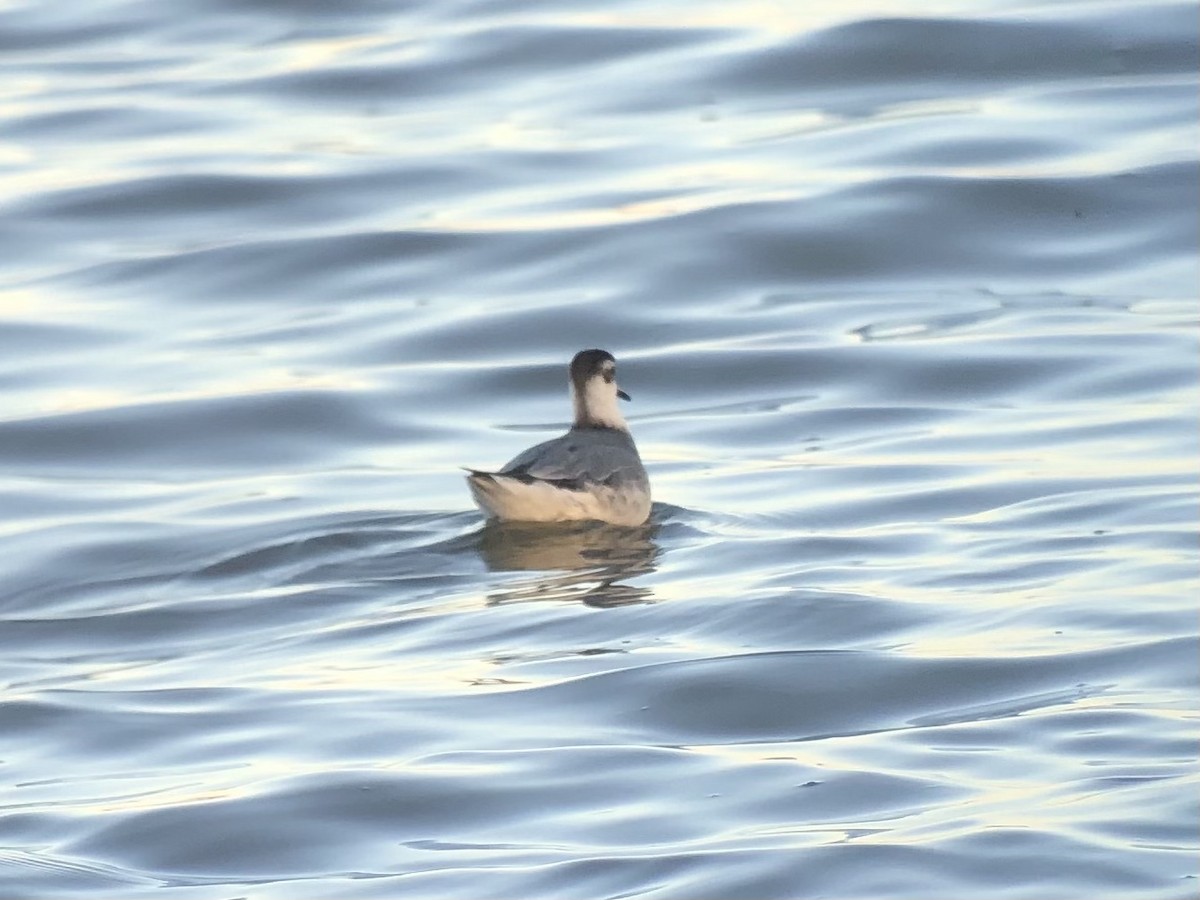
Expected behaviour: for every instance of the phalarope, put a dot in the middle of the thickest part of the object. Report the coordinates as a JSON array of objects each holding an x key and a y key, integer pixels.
[{"x": 591, "y": 472}]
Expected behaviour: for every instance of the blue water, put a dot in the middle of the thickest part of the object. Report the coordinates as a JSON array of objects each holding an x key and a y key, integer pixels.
[{"x": 906, "y": 298}]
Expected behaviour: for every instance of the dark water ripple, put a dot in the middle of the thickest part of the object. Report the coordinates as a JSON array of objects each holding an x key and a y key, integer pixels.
[{"x": 907, "y": 302}]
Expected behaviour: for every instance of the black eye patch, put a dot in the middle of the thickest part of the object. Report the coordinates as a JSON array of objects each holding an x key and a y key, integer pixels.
[{"x": 609, "y": 376}]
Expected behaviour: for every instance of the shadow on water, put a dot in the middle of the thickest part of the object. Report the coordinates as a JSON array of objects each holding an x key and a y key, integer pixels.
[{"x": 586, "y": 561}]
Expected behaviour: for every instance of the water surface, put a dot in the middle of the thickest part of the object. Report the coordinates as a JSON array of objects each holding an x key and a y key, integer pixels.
[{"x": 906, "y": 299}]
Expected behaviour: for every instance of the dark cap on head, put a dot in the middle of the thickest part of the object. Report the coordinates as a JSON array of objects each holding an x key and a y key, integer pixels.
[{"x": 589, "y": 364}]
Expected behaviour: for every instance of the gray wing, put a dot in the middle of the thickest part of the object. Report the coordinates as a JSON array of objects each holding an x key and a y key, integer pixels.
[{"x": 581, "y": 456}]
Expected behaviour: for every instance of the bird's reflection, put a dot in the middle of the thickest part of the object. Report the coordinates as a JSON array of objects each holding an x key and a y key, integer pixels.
[{"x": 585, "y": 561}]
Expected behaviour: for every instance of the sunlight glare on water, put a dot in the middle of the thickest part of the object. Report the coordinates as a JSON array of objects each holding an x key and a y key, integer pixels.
[{"x": 905, "y": 296}]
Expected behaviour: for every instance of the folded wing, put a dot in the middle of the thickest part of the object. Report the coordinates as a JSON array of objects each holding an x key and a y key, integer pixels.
[{"x": 579, "y": 458}]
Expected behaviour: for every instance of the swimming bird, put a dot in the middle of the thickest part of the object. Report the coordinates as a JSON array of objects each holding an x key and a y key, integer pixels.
[{"x": 591, "y": 472}]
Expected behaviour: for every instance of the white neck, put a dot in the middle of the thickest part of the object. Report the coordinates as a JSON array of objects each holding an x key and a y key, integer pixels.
[{"x": 596, "y": 405}]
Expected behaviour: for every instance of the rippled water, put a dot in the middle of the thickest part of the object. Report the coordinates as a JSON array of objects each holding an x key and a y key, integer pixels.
[{"x": 906, "y": 298}]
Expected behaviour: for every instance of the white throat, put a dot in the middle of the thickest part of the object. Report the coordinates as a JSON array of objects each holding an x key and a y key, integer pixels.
[{"x": 596, "y": 405}]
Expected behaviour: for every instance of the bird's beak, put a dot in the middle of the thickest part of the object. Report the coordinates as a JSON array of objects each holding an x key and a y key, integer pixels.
[{"x": 623, "y": 395}]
